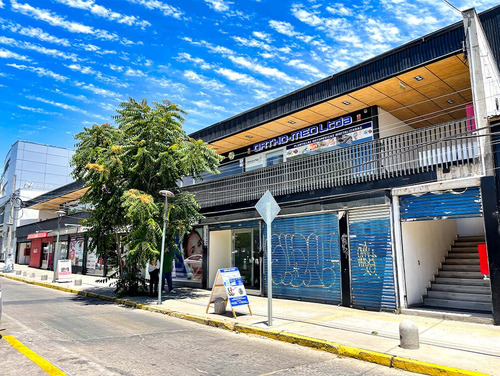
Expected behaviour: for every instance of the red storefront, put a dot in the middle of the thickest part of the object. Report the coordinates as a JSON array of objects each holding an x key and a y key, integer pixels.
[{"x": 41, "y": 250}]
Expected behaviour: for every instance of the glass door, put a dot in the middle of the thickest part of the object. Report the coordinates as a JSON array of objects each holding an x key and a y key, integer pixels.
[{"x": 245, "y": 256}]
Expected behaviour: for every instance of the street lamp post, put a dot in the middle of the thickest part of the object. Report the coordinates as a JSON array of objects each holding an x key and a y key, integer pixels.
[
  {"x": 59, "y": 213},
  {"x": 167, "y": 194}
]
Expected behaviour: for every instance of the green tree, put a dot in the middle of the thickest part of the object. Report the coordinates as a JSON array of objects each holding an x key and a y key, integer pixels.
[{"x": 125, "y": 167}]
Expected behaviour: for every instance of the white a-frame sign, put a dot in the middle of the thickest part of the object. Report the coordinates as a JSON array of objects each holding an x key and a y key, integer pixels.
[{"x": 229, "y": 286}]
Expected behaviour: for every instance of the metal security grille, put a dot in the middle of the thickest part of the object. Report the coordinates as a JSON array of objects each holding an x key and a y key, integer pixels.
[
  {"x": 372, "y": 264},
  {"x": 456, "y": 203},
  {"x": 306, "y": 257}
]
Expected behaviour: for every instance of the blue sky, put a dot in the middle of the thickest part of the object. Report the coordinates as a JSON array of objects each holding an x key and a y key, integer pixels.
[{"x": 66, "y": 64}]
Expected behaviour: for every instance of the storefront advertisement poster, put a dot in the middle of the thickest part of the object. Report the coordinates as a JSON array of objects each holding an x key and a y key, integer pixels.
[
  {"x": 76, "y": 251},
  {"x": 188, "y": 264},
  {"x": 64, "y": 271},
  {"x": 233, "y": 285}
]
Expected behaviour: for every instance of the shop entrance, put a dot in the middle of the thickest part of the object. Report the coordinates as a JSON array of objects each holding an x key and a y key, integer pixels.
[{"x": 245, "y": 256}]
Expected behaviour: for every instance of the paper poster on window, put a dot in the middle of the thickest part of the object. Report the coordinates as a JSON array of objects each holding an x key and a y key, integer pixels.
[
  {"x": 188, "y": 262},
  {"x": 343, "y": 138}
]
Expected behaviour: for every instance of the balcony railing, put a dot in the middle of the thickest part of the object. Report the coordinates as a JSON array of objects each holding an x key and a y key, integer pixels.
[{"x": 443, "y": 146}]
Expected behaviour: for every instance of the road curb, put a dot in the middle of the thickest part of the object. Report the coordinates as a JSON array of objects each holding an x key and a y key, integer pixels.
[{"x": 383, "y": 359}]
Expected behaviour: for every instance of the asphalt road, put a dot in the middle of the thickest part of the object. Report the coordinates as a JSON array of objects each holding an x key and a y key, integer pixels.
[{"x": 85, "y": 336}]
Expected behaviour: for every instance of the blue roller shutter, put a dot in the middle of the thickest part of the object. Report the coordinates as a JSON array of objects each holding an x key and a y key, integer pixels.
[
  {"x": 372, "y": 262},
  {"x": 456, "y": 203},
  {"x": 306, "y": 257}
]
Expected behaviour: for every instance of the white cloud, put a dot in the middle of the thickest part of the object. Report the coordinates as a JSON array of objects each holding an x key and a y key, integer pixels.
[
  {"x": 309, "y": 69},
  {"x": 134, "y": 73},
  {"x": 101, "y": 11},
  {"x": 166, "y": 9},
  {"x": 241, "y": 78},
  {"x": 250, "y": 64},
  {"x": 33, "y": 32},
  {"x": 6, "y": 54},
  {"x": 41, "y": 72},
  {"x": 116, "y": 68},
  {"x": 206, "y": 83},
  {"x": 37, "y": 110},
  {"x": 184, "y": 56},
  {"x": 208, "y": 105},
  {"x": 59, "y": 104},
  {"x": 340, "y": 10},
  {"x": 97, "y": 90},
  {"x": 1, "y": 4},
  {"x": 168, "y": 84},
  {"x": 58, "y": 21},
  {"x": 381, "y": 32},
  {"x": 37, "y": 48},
  {"x": 262, "y": 35},
  {"x": 98, "y": 50},
  {"x": 218, "y": 5}
]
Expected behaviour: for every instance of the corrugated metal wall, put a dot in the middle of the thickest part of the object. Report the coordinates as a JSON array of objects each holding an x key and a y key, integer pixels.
[
  {"x": 306, "y": 257},
  {"x": 457, "y": 203},
  {"x": 372, "y": 262}
]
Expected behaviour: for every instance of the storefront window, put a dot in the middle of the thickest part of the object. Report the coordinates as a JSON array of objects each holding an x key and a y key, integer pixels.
[{"x": 76, "y": 245}]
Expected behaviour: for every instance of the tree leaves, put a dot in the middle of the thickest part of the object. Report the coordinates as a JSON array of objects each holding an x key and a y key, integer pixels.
[{"x": 126, "y": 166}]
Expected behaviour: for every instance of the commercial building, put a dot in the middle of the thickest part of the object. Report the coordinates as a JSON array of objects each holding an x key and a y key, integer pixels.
[
  {"x": 386, "y": 175},
  {"x": 30, "y": 169}
]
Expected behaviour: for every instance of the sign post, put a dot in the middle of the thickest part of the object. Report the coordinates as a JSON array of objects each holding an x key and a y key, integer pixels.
[{"x": 268, "y": 209}]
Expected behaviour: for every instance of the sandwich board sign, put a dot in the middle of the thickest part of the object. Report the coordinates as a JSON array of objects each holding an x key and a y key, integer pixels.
[
  {"x": 229, "y": 286},
  {"x": 64, "y": 271}
]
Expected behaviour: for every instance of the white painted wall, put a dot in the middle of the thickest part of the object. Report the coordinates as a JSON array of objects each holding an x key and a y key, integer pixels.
[
  {"x": 470, "y": 226},
  {"x": 390, "y": 125},
  {"x": 425, "y": 244},
  {"x": 219, "y": 253}
]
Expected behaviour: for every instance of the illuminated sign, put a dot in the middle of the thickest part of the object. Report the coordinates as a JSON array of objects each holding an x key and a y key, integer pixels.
[{"x": 302, "y": 133}]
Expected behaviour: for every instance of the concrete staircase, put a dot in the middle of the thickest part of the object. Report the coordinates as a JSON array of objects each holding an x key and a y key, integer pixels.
[{"x": 459, "y": 284}]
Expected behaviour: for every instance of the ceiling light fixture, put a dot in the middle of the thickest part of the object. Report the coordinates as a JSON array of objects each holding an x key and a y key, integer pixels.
[
  {"x": 248, "y": 136},
  {"x": 346, "y": 103},
  {"x": 450, "y": 101},
  {"x": 418, "y": 78},
  {"x": 291, "y": 121}
]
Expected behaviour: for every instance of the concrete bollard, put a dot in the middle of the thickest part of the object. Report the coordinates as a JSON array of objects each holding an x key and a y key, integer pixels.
[
  {"x": 25, "y": 274},
  {"x": 220, "y": 306},
  {"x": 18, "y": 272},
  {"x": 408, "y": 335},
  {"x": 78, "y": 282},
  {"x": 44, "y": 277},
  {"x": 33, "y": 275}
]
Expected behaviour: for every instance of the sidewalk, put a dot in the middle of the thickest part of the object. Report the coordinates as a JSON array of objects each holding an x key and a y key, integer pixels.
[{"x": 443, "y": 343}]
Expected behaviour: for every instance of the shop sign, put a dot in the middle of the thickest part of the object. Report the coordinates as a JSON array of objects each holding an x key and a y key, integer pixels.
[
  {"x": 345, "y": 137},
  {"x": 255, "y": 161},
  {"x": 38, "y": 235},
  {"x": 303, "y": 133}
]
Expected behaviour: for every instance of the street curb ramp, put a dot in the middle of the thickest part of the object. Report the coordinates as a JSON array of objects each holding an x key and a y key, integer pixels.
[{"x": 387, "y": 360}]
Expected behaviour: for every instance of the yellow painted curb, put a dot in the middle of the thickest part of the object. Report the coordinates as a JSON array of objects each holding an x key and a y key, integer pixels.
[
  {"x": 431, "y": 369},
  {"x": 366, "y": 355},
  {"x": 248, "y": 329},
  {"x": 34, "y": 357}
]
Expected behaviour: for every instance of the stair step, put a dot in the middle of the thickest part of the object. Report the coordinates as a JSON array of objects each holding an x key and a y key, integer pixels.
[
  {"x": 463, "y": 249},
  {"x": 461, "y": 288},
  {"x": 478, "y": 239},
  {"x": 462, "y": 261},
  {"x": 458, "y": 304},
  {"x": 463, "y": 255},
  {"x": 462, "y": 281},
  {"x": 461, "y": 267},
  {"x": 459, "y": 274},
  {"x": 446, "y": 295}
]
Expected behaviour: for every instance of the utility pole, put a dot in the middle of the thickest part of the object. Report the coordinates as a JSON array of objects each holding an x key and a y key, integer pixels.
[{"x": 10, "y": 223}]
